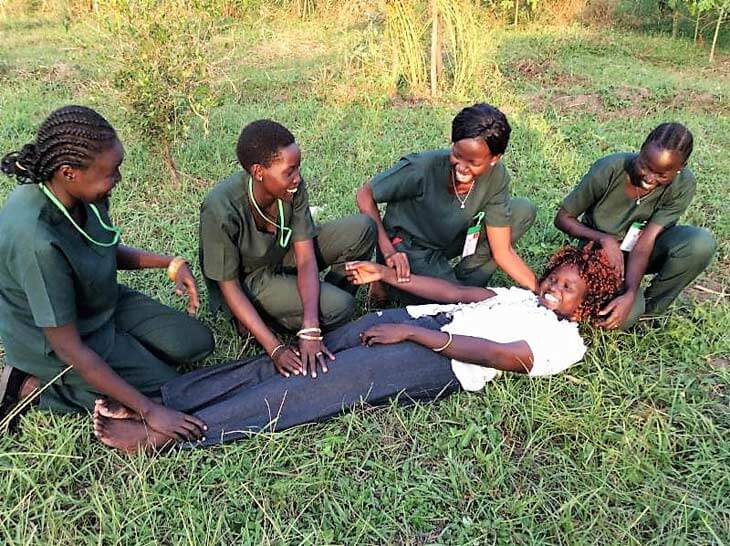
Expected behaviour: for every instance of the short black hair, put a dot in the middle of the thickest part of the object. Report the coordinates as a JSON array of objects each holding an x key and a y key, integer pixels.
[
  {"x": 72, "y": 135},
  {"x": 482, "y": 120},
  {"x": 260, "y": 142},
  {"x": 672, "y": 136}
]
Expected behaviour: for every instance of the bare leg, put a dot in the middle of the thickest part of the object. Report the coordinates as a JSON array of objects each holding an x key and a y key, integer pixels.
[{"x": 128, "y": 435}]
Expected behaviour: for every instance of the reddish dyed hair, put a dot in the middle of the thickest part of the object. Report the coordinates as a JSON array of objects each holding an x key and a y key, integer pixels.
[{"x": 602, "y": 280}]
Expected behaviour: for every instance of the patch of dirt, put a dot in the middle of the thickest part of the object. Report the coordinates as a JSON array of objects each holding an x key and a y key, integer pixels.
[
  {"x": 720, "y": 363},
  {"x": 707, "y": 289},
  {"x": 583, "y": 103}
]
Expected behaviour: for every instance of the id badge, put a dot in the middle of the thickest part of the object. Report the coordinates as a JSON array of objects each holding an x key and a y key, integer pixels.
[
  {"x": 470, "y": 243},
  {"x": 629, "y": 242}
]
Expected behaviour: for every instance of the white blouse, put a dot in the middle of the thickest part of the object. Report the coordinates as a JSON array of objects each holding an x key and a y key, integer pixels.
[{"x": 513, "y": 314}]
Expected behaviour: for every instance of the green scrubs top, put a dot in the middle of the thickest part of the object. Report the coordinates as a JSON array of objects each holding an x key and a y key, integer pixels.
[
  {"x": 231, "y": 246},
  {"x": 50, "y": 275},
  {"x": 419, "y": 205},
  {"x": 605, "y": 206}
]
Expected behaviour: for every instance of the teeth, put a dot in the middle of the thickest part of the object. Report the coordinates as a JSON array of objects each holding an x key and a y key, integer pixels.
[
  {"x": 551, "y": 298},
  {"x": 646, "y": 185},
  {"x": 293, "y": 190}
]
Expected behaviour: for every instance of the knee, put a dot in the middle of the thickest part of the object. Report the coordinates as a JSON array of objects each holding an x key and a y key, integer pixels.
[
  {"x": 196, "y": 343},
  {"x": 337, "y": 309},
  {"x": 703, "y": 246},
  {"x": 366, "y": 234},
  {"x": 698, "y": 248},
  {"x": 524, "y": 212}
]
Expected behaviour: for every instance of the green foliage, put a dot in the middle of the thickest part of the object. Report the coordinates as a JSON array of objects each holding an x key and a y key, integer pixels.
[{"x": 161, "y": 64}]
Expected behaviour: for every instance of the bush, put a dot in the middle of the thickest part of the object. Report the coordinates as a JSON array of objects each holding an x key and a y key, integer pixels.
[{"x": 160, "y": 66}]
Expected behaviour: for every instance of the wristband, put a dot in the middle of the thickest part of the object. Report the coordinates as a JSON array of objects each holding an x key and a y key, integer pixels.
[
  {"x": 174, "y": 266},
  {"x": 443, "y": 347}
]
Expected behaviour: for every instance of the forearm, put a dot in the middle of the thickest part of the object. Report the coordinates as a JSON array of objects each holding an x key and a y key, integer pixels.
[
  {"x": 571, "y": 226},
  {"x": 511, "y": 263},
  {"x": 135, "y": 258},
  {"x": 366, "y": 204},
  {"x": 636, "y": 266},
  {"x": 308, "y": 288},
  {"x": 245, "y": 313},
  {"x": 511, "y": 357},
  {"x": 437, "y": 290}
]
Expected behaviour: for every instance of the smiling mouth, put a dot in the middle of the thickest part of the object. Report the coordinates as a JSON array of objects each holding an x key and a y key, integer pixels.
[
  {"x": 647, "y": 186},
  {"x": 293, "y": 190},
  {"x": 548, "y": 297}
]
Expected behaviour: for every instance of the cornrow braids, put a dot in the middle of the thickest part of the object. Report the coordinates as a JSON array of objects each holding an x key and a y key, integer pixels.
[
  {"x": 260, "y": 142},
  {"x": 602, "y": 279},
  {"x": 672, "y": 136},
  {"x": 72, "y": 135}
]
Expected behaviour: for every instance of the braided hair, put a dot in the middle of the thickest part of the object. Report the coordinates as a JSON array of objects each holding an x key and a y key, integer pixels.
[
  {"x": 484, "y": 121},
  {"x": 260, "y": 142},
  {"x": 672, "y": 136},
  {"x": 72, "y": 135},
  {"x": 602, "y": 280}
]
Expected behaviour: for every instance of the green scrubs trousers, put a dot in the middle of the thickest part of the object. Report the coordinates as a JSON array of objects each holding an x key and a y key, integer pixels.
[
  {"x": 149, "y": 338},
  {"x": 273, "y": 289},
  {"x": 474, "y": 270},
  {"x": 680, "y": 254}
]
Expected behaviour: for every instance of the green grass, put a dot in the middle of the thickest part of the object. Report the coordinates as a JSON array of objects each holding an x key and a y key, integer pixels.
[{"x": 630, "y": 447}]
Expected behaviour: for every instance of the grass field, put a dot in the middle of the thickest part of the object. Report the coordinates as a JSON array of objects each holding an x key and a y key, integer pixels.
[{"x": 632, "y": 446}]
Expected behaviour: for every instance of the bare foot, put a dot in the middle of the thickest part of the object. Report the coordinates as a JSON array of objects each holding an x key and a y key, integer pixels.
[
  {"x": 377, "y": 295},
  {"x": 29, "y": 386},
  {"x": 128, "y": 435},
  {"x": 114, "y": 410}
]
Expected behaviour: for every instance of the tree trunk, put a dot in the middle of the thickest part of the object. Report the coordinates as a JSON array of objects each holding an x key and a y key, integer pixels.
[
  {"x": 675, "y": 20},
  {"x": 170, "y": 163},
  {"x": 697, "y": 25},
  {"x": 435, "y": 48},
  {"x": 517, "y": 9},
  {"x": 717, "y": 31}
]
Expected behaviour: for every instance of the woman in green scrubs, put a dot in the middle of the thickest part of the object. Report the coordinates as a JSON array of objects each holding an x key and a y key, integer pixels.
[
  {"x": 64, "y": 319},
  {"x": 450, "y": 203},
  {"x": 261, "y": 252},
  {"x": 630, "y": 203}
]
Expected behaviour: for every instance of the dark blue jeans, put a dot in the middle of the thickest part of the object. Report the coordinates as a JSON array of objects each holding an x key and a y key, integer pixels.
[{"x": 240, "y": 398}]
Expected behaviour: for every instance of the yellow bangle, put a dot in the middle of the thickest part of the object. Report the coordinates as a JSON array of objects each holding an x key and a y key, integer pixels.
[
  {"x": 174, "y": 266},
  {"x": 275, "y": 349},
  {"x": 306, "y": 337},
  {"x": 451, "y": 338}
]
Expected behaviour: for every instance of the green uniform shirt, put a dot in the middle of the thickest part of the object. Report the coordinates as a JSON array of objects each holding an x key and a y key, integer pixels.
[
  {"x": 605, "y": 206},
  {"x": 231, "y": 246},
  {"x": 50, "y": 275},
  {"x": 416, "y": 190}
]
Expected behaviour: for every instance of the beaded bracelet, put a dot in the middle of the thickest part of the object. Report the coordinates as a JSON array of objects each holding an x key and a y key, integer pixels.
[{"x": 451, "y": 338}]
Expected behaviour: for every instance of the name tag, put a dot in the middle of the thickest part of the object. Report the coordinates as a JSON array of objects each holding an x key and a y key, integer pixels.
[
  {"x": 470, "y": 243},
  {"x": 629, "y": 242}
]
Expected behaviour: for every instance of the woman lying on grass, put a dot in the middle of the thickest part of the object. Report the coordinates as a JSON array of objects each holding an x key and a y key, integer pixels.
[{"x": 418, "y": 353}]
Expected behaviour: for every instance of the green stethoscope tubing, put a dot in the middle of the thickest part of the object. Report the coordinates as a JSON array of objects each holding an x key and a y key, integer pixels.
[
  {"x": 284, "y": 231},
  {"x": 111, "y": 229}
]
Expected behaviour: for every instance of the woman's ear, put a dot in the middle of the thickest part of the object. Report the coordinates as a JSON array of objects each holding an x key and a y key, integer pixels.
[
  {"x": 257, "y": 172},
  {"x": 67, "y": 173},
  {"x": 494, "y": 160}
]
